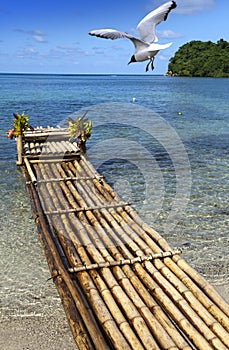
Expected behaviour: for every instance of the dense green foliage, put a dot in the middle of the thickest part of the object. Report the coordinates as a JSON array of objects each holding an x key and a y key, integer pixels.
[{"x": 201, "y": 59}]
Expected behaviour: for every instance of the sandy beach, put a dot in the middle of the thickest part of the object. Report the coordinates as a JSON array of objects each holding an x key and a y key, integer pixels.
[
  {"x": 36, "y": 333},
  {"x": 50, "y": 333}
]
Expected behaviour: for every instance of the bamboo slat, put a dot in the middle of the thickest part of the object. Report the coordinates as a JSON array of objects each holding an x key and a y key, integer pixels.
[
  {"x": 122, "y": 262},
  {"x": 71, "y": 210},
  {"x": 30, "y": 171},
  {"x": 121, "y": 278},
  {"x": 54, "y": 159}
]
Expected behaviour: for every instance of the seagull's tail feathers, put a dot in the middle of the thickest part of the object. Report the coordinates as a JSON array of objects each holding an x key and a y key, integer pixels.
[{"x": 155, "y": 47}]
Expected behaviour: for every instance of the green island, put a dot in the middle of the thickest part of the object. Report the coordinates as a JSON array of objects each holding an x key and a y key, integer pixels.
[{"x": 201, "y": 59}]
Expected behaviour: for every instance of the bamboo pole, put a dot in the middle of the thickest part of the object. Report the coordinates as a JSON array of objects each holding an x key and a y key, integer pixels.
[
  {"x": 30, "y": 171},
  {"x": 32, "y": 148},
  {"x": 46, "y": 158},
  {"x": 19, "y": 150},
  {"x": 37, "y": 147},
  {"x": 58, "y": 179},
  {"x": 122, "y": 262},
  {"x": 26, "y": 149},
  {"x": 72, "y": 147},
  {"x": 42, "y": 135},
  {"x": 61, "y": 146}
]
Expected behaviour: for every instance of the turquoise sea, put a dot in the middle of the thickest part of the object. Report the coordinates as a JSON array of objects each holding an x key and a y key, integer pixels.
[{"x": 161, "y": 142}]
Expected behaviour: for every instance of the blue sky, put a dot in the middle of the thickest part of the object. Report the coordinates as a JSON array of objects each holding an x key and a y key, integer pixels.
[{"x": 51, "y": 36}]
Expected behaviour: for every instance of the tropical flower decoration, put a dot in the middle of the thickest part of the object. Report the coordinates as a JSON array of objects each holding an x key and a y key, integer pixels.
[
  {"x": 81, "y": 129},
  {"x": 21, "y": 124}
]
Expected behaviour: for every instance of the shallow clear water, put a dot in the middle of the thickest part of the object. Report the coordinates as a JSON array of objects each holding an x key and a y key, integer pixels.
[{"x": 167, "y": 153}]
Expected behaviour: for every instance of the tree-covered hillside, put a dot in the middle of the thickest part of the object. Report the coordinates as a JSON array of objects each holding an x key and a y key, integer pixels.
[{"x": 201, "y": 59}]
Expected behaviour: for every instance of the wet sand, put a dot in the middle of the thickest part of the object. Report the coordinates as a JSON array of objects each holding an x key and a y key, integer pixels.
[{"x": 49, "y": 333}]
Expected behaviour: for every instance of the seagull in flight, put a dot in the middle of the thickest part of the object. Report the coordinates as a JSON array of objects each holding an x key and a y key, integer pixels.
[{"x": 146, "y": 47}]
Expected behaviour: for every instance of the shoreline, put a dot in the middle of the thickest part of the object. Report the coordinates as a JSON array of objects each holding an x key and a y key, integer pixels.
[{"x": 50, "y": 332}]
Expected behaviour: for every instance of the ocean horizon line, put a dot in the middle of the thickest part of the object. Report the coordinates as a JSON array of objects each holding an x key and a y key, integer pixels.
[{"x": 80, "y": 74}]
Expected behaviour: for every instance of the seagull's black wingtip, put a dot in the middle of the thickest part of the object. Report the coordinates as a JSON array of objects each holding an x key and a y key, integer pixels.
[{"x": 174, "y": 5}]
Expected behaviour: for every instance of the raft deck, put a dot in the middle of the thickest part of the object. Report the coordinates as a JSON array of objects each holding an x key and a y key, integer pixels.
[{"x": 121, "y": 284}]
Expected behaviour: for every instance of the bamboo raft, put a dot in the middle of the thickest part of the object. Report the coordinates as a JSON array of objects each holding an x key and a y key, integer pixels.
[{"x": 121, "y": 284}]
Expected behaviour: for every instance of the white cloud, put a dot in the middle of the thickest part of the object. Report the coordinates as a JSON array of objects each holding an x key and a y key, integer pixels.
[
  {"x": 68, "y": 48},
  {"x": 98, "y": 51},
  {"x": 71, "y": 50},
  {"x": 67, "y": 52},
  {"x": 39, "y": 38},
  {"x": 190, "y": 7},
  {"x": 168, "y": 34},
  {"x": 31, "y": 50},
  {"x": 28, "y": 52},
  {"x": 36, "y": 35}
]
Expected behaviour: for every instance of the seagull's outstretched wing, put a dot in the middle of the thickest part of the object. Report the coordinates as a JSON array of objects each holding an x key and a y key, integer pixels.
[
  {"x": 147, "y": 25},
  {"x": 116, "y": 34},
  {"x": 109, "y": 34}
]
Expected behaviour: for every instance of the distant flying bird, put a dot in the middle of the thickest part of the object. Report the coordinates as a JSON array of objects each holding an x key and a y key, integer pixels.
[{"x": 145, "y": 47}]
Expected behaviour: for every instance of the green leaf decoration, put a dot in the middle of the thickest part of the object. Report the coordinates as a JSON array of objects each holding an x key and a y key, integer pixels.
[
  {"x": 80, "y": 128},
  {"x": 21, "y": 123}
]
